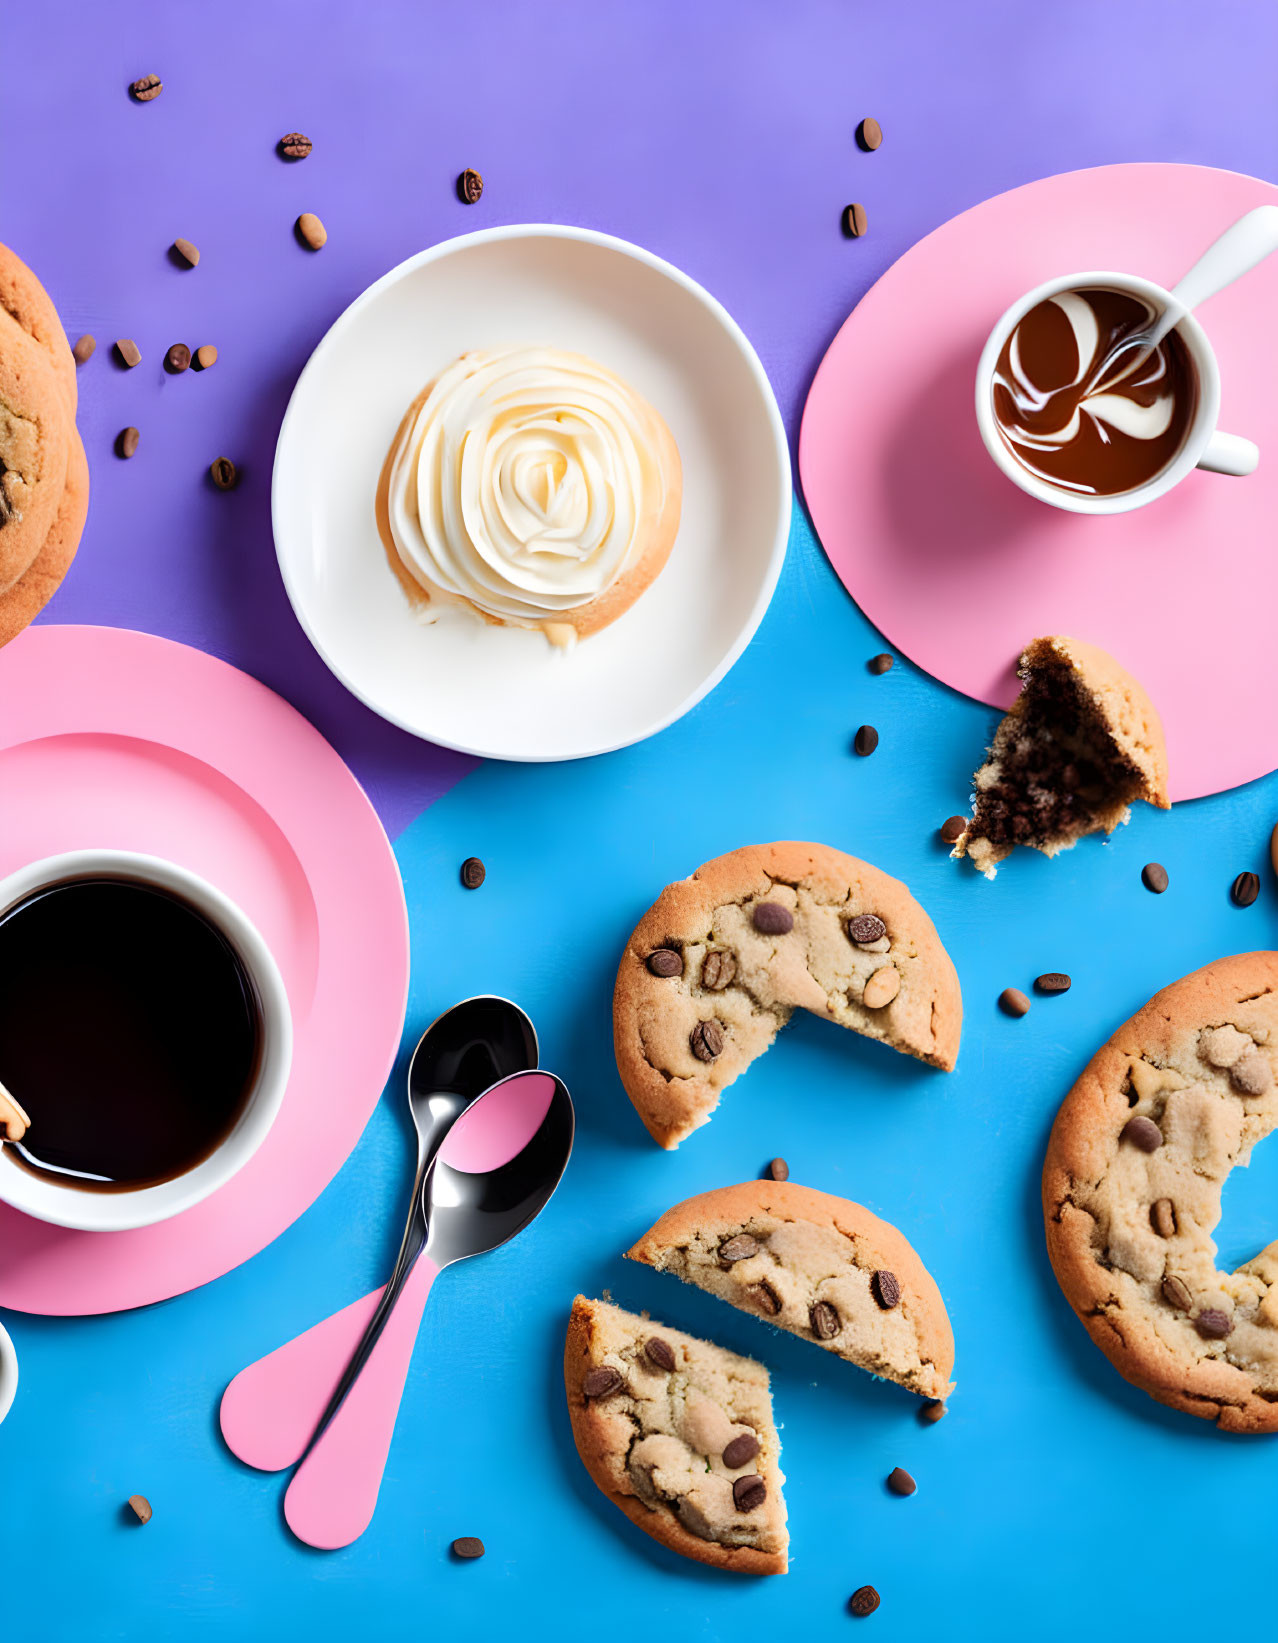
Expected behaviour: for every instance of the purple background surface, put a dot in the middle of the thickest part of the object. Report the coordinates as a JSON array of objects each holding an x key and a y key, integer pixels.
[{"x": 718, "y": 134}]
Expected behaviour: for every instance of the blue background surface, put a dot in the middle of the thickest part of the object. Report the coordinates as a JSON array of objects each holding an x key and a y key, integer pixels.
[{"x": 1054, "y": 1501}]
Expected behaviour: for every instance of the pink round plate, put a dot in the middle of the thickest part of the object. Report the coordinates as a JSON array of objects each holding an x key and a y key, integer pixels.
[
  {"x": 959, "y": 568},
  {"x": 124, "y": 740}
]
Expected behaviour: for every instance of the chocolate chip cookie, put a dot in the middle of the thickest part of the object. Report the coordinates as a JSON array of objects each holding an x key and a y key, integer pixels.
[
  {"x": 721, "y": 961},
  {"x": 820, "y": 1267},
  {"x": 1132, "y": 1185},
  {"x": 679, "y": 1435}
]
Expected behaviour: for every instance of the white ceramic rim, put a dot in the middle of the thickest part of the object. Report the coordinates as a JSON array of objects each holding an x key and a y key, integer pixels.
[
  {"x": 88, "y": 1211},
  {"x": 1196, "y": 440},
  {"x": 8, "y": 1373},
  {"x": 781, "y": 450}
]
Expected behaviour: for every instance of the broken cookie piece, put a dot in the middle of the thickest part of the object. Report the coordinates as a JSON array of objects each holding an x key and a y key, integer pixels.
[{"x": 1081, "y": 743}]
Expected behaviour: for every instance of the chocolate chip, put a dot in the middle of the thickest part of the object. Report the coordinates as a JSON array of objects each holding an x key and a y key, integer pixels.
[
  {"x": 765, "y": 1298},
  {"x": 739, "y": 1248},
  {"x": 178, "y": 359},
  {"x": 743, "y": 1448},
  {"x": 602, "y": 1382},
  {"x": 147, "y": 89},
  {"x": 869, "y": 134},
  {"x": 855, "y": 221},
  {"x": 866, "y": 927},
  {"x": 778, "y": 1170},
  {"x": 865, "y": 1600},
  {"x": 1213, "y": 1324},
  {"x": 222, "y": 473},
  {"x": 953, "y": 829},
  {"x": 473, "y": 872},
  {"x": 1176, "y": 1293},
  {"x": 881, "y": 663},
  {"x": 1162, "y": 1217},
  {"x": 660, "y": 1353},
  {"x": 900, "y": 1482},
  {"x": 932, "y": 1411},
  {"x": 825, "y": 1320},
  {"x": 1143, "y": 1133},
  {"x": 771, "y": 919},
  {"x": 83, "y": 349},
  {"x": 205, "y": 355},
  {"x": 295, "y": 146},
  {"x": 1154, "y": 877},
  {"x": 188, "y": 253},
  {"x": 468, "y": 1546},
  {"x": 1012, "y": 1001},
  {"x": 748, "y": 1494},
  {"x": 706, "y": 1040},
  {"x": 311, "y": 231},
  {"x": 718, "y": 970},
  {"x": 1052, "y": 981},
  {"x": 126, "y": 442},
  {"x": 1244, "y": 890},
  {"x": 128, "y": 352},
  {"x": 470, "y": 185},
  {"x": 865, "y": 740},
  {"x": 1251, "y": 1074},
  {"x": 887, "y": 1291},
  {"x": 664, "y": 961},
  {"x": 140, "y": 1506}
]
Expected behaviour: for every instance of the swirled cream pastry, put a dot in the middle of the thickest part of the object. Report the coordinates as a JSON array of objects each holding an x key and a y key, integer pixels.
[{"x": 535, "y": 487}]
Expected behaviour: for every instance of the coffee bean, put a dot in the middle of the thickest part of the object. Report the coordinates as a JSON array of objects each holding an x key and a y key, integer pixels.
[
  {"x": 825, "y": 1320},
  {"x": 469, "y": 1546},
  {"x": 470, "y": 185},
  {"x": 147, "y": 89},
  {"x": 1012, "y": 1001},
  {"x": 1213, "y": 1324},
  {"x": 880, "y": 663},
  {"x": 778, "y": 1170},
  {"x": 869, "y": 134},
  {"x": 295, "y": 146},
  {"x": 205, "y": 355},
  {"x": 706, "y": 1040},
  {"x": 748, "y": 1494},
  {"x": 739, "y": 1248},
  {"x": 128, "y": 352},
  {"x": 866, "y": 927},
  {"x": 881, "y": 988},
  {"x": 178, "y": 359},
  {"x": 742, "y": 1449},
  {"x": 126, "y": 442},
  {"x": 771, "y": 919},
  {"x": 602, "y": 1382},
  {"x": 140, "y": 1506},
  {"x": 953, "y": 829},
  {"x": 865, "y": 740},
  {"x": 900, "y": 1482},
  {"x": 887, "y": 1291},
  {"x": 223, "y": 474},
  {"x": 1154, "y": 877},
  {"x": 932, "y": 1411},
  {"x": 765, "y": 1298},
  {"x": 664, "y": 961},
  {"x": 1176, "y": 1293},
  {"x": 189, "y": 253},
  {"x": 855, "y": 221},
  {"x": 1244, "y": 889},
  {"x": 473, "y": 872},
  {"x": 1143, "y": 1133},
  {"x": 83, "y": 349},
  {"x": 718, "y": 970},
  {"x": 1162, "y": 1217},
  {"x": 660, "y": 1353},
  {"x": 311, "y": 231},
  {"x": 865, "y": 1600},
  {"x": 1052, "y": 981}
]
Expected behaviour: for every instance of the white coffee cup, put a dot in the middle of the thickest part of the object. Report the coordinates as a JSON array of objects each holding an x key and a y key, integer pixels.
[
  {"x": 60, "y": 1201},
  {"x": 1205, "y": 446},
  {"x": 8, "y": 1374}
]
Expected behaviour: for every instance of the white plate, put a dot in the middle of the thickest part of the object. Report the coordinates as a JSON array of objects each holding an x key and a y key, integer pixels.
[
  {"x": 8, "y": 1373},
  {"x": 503, "y": 692}
]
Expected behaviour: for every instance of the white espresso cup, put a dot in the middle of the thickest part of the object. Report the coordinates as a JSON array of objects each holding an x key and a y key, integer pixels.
[
  {"x": 59, "y": 1200},
  {"x": 1204, "y": 445}
]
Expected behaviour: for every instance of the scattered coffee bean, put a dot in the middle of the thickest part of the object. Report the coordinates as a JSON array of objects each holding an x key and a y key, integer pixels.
[
  {"x": 295, "y": 146},
  {"x": 222, "y": 473},
  {"x": 602, "y": 1382},
  {"x": 887, "y": 1291},
  {"x": 178, "y": 359},
  {"x": 778, "y": 1170},
  {"x": 147, "y": 89},
  {"x": 865, "y": 1600},
  {"x": 126, "y": 442},
  {"x": 83, "y": 349},
  {"x": 470, "y": 185},
  {"x": 1154, "y": 877},
  {"x": 706, "y": 1040},
  {"x": 771, "y": 919},
  {"x": 140, "y": 1506},
  {"x": 1176, "y": 1293},
  {"x": 128, "y": 352},
  {"x": 1244, "y": 889},
  {"x": 900, "y": 1482},
  {"x": 866, "y": 740},
  {"x": 748, "y": 1494},
  {"x": 825, "y": 1320},
  {"x": 855, "y": 221},
  {"x": 1052, "y": 981},
  {"x": 664, "y": 961},
  {"x": 953, "y": 829},
  {"x": 881, "y": 988},
  {"x": 205, "y": 355},
  {"x": 190, "y": 254},
  {"x": 932, "y": 1411},
  {"x": 718, "y": 970},
  {"x": 765, "y": 1298},
  {"x": 866, "y": 927},
  {"x": 469, "y": 1546},
  {"x": 880, "y": 663},
  {"x": 1162, "y": 1217},
  {"x": 1143, "y": 1133},
  {"x": 473, "y": 872},
  {"x": 660, "y": 1353},
  {"x": 742, "y": 1449},
  {"x": 311, "y": 231},
  {"x": 1012, "y": 1001},
  {"x": 869, "y": 134},
  {"x": 1213, "y": 1324},
  {"x": 739, "y": 1248}
]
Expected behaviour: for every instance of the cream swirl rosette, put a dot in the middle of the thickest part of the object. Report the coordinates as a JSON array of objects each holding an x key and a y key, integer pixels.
[{"x": 536, "y": 487}]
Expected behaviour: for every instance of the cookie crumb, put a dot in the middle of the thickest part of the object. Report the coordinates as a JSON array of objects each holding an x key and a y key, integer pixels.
[
  {"x": 467, "y": 1548},
  {"x": 140, "y": 1506},
  {"x": 1012, "y": 1001}
]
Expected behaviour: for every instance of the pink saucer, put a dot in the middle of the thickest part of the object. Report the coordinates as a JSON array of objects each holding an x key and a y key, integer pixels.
[
  {"x": 121, "y": 739},
  {"x": 959, "y": 568}
]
